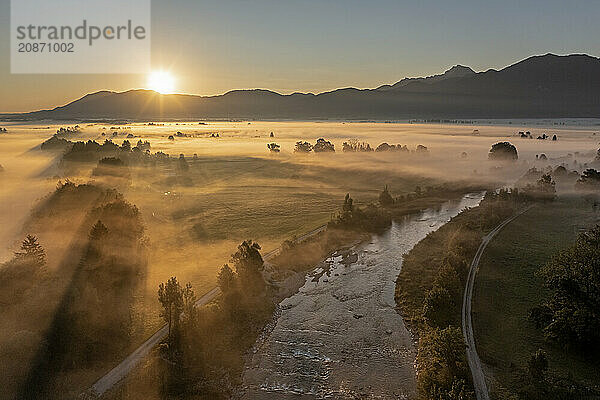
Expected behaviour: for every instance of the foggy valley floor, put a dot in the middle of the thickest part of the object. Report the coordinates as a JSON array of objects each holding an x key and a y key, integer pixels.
[{"x": 185, "y": 217}]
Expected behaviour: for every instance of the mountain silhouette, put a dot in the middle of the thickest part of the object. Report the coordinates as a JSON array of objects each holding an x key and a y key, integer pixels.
[
  {"x": 547, "y": 86},
  {"x": 458, "y": 71}
]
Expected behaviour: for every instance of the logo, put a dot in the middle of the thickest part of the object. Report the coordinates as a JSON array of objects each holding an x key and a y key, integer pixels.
[{"x": 68, "y": 36}]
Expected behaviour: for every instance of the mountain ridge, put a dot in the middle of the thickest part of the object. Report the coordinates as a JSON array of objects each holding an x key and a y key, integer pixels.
[{"x": 544, "y": 86}]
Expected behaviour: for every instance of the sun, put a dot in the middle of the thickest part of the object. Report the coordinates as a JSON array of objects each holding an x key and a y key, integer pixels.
[{"x": 161, "y": 81}]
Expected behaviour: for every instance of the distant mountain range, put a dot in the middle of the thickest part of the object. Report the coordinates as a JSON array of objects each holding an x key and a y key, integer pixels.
[{"x": 547, "y": 86}]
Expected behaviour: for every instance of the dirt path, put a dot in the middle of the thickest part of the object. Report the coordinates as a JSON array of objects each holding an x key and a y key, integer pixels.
[
  {"x": 115, "y": 375},
  {"x": 481, "y": 391}
]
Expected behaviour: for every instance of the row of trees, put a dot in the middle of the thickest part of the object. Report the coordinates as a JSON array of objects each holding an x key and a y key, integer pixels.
[
  {"x": 321, "y": 146},
  {"x": 353, "y": 146},
  {"x": 350, "y": 146},
  {"x": 69, "y": 130},
  {"x": 205, "y": 343}
]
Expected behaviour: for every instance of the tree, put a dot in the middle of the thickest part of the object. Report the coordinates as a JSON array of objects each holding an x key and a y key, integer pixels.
[
  {"x": 182, "y": 164},
  {"x": 303, "y": 147},
  {"x": 421, "y": 149},
  {"x": 347, "y": 207},
  {"x": 323, "y": 146},
  {"x": 226, "y": 279},
  {"x": 273, "y": 147},
  {"x": 544, "y": 188},
  {"x": 385, "y": 198},
  {"x": 503, "y": 151},
  {"x": 589, "y": 180},
  {"x": 32, "y": 251},
  {"x": 126, "y": 146},
  {"x": 189, "y": 304},
  {"x": 98, "y": 231},
  {"x": 354, "y": 145},
  {"x": 383, "y": 147},
  {"x": 546, "y": 185},
  {"x": 438, "y": 307},
  {"x": 570, "y": 315},
  {"x": 442, "y": 364},
  {"x": 560, "y": 171},
  {"x": 170, "y": 296},
  {"x": 249, "y": 265}
]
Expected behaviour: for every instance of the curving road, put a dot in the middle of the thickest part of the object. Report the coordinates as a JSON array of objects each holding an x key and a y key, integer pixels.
[
  {"x": 481, "y": 391},
  {"x": 115, "y": 375}
]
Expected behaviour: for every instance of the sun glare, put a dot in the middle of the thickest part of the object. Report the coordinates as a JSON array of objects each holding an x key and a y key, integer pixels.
[{"x": 161, "y": 82}]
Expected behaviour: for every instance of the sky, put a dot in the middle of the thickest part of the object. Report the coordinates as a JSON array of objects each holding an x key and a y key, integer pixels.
[{"x": 213, "y": 46}]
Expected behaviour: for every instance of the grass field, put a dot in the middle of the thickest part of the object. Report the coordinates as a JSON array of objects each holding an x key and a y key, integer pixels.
[
  {"x": 236, "y": 190},
  {"x": 507, "y": 288}
]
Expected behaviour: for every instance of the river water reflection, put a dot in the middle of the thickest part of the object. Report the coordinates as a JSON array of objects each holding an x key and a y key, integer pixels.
[{"x": 340, "y": 335}]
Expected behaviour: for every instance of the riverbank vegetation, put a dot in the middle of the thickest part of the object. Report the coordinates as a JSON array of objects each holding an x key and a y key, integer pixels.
[{"x": 429, "y": 294}]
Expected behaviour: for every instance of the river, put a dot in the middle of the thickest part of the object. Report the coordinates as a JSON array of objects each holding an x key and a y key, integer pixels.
[{"x": 340, "y": 336}]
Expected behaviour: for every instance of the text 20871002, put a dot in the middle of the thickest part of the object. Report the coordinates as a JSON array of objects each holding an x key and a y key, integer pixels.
[{"x": 40, "y": 47}]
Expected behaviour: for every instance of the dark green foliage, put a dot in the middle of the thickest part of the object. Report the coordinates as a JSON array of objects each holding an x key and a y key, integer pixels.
[
  {"x": 537, "y": 384},
  {"x": 544, "y": 189},
  {"x": 429, "y": 294},
  {"x": 273, "y": 147},
  {"x": 112, "y": 161},
  {"x": 443, "y": 369},
  {"x": 385, "y": 198},
  {"x": 170, "y": 296},
  {"x": 207, "y": 354},
  {"x": 126, "y": 146},
  {"x": 503, "y": 151},
  {"x": 92, "y": 151},
  {"x": 56, "y": 143},
  {"x": 347, "y": 207},
  {"x": 560, "y": 172},
  {"x": 439, "y": 307},
  {"x": 571, "y": 314},
  {"x": 353, "y": 146},
  {"x": 391, "y": 147},
  {"x": 143, "y": 146},
  {"x": 226, "y": 279},
  {"x": 62, "y": 131},
  {"x": 589, "y": 180},
  {"x": 190, "y": 312},
  {"x": 93, "y": 324},
  {"x": 323, "y": 146},
  {"x": 32, "y": 251},
  {"x": 421, "y": 149},
  {"x": 303, "y": 147},
  {"x": 249, "y": 265},
  {"x": 367, "y": 219}
]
